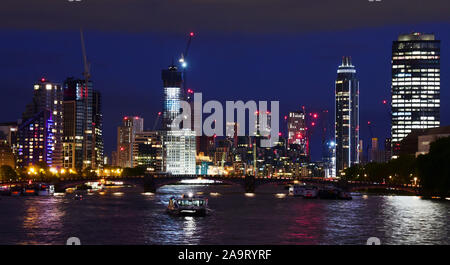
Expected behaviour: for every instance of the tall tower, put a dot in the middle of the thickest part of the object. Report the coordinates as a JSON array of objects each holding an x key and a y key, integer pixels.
[
  {"x": 77, "y": 137},
  {"x": 415, "y": 85},
  {"x": 172, "y": 81},
  {"x": 179, "y": 145},
  {"x": 40, "y": 133},
  {"x": 347, "y": 116},
  {"x": 97, "y": 132}
]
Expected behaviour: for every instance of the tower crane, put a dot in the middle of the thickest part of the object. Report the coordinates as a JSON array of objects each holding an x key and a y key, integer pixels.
[
  {"x": 183, "y": 59},
  {"x": 157, "y": 120},
  {"x": 86, "y": 64}
]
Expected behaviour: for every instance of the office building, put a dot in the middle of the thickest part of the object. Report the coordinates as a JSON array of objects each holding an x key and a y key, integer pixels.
[
  {"x": 347, "y": 116},
  {"x": 7, "y": 157},
  {"x": 125, "y": 139},
  {"x": 179, "y": 152},
  {"x": 147, "y": 151},
  {"x": 415, "y": 85},
  {"x": 297, "y": 132}
]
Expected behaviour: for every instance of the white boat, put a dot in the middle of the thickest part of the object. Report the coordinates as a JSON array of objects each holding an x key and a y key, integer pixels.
[
  {"x": 188, "y": 206},
  {"x": 297, "y": 190},
  {"x": 46, "y": 190}
]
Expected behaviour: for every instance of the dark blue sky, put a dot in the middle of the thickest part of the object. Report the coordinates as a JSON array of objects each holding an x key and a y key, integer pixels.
[{"x": 295, "y": 68}]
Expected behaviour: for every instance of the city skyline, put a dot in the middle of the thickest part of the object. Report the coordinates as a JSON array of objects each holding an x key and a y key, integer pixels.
[
  {"x": 224, "y": 131},
  {"x": 148, "y": 106}
]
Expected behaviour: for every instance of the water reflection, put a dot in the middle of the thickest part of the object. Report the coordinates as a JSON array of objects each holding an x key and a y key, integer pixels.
[
  {"x": 269, "y": 217},
  {"x": 42, "y": 217},
  {"x": 412, "y": 220}
]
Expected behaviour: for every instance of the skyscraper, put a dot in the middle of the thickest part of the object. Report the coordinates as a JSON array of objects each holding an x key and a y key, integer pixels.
[
  {"x": 77, "y": 137},
  {"x": 179, "y": 144},
  {"x": 415, "y": 85},
  {"x": 347, "y": 116},
  {"x": 297, "y": 137},
  {"x": 126, "y": 135},
  {"x": 97, "y": 131},
  {"x": 83, "y": 132},
  {"x": 172, "y": 83},
  {"x": 39, "y": 137}
]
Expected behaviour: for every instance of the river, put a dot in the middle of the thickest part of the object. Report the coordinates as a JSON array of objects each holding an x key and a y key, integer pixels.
[{"x": 128, "y": 216}]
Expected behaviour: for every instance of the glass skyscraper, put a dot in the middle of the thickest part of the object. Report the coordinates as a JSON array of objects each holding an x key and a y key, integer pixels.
[
  {"x": 415, "y": 85},
  {"x": 347, "y": 116},
  {"x": 82, "y": 138},
  {"x": 172, "y": 81}
]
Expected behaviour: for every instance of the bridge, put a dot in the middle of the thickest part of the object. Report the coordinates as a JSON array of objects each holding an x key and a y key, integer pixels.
[
  {"x": 152, "y": 182},
  {"x": 249, "y": 183},
  {"x": 353, "y": 186}
]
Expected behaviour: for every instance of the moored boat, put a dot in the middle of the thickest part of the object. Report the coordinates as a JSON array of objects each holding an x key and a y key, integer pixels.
[
  {"x": 45, "y": 189},
  {"x": 16, "y": 190},
  {"x": 329, "y": 193},
  {"x": 297, "y": 190},
  {"x": 311, "y": 193},
  {"x": 344, "y": 195},
  {"x": 30, "y": 190}
]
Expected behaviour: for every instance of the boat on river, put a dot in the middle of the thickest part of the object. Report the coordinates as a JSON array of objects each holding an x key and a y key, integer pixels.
[
  {"x": 311, "y": 192},
  {"x": 188, "y": 205},
  {"x": 44, "y": 189},
  {"x": 297, "y": 190}
]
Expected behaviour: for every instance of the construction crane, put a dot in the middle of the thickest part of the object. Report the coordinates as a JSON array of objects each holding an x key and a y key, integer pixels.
[
  {"x": 86, "y": 64},
  {"x": 156, "y": 120},
  {"x": 369, "y": 125},
  {"x": 183, "y": 60}
]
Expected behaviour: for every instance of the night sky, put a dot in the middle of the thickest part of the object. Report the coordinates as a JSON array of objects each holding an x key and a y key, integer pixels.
[{"x": 274, "y": 50}]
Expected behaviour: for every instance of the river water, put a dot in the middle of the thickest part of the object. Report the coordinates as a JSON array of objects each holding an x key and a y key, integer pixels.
[{"x": 128, "y": 216}]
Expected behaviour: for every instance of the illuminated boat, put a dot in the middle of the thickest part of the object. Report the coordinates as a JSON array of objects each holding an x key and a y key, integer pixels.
[
  {"x": 30, "y": 190},
  {"x": 45, "y": 189},
  {"x": 188, "y": 206},
  {"x": 16, "y": 190},
  {"x": 5, "y": 190}
]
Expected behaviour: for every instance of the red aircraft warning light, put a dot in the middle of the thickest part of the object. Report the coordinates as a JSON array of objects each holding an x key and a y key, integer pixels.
[
  {"x": 315, "y": 115},
  {"x": 191, "y": 34}
]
